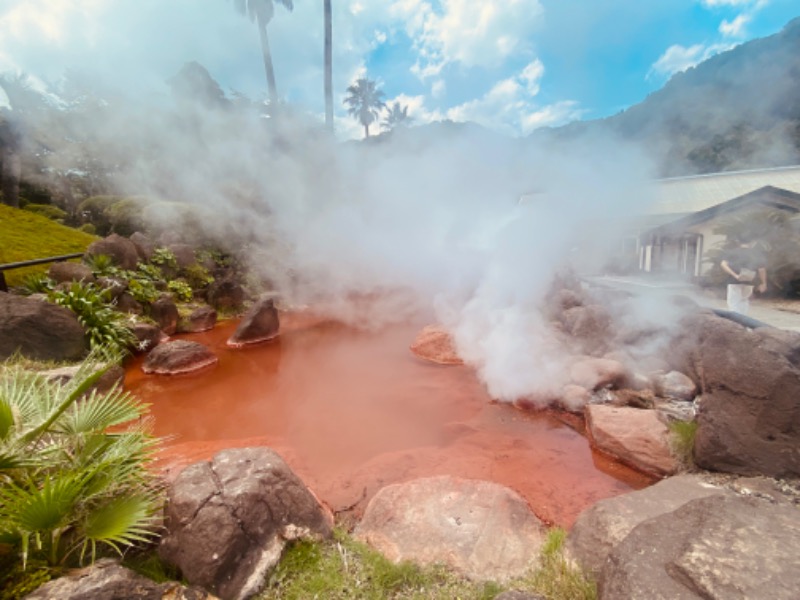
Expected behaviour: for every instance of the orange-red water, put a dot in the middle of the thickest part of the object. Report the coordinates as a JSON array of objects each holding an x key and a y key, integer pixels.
[{"x": 352, "y": 411}]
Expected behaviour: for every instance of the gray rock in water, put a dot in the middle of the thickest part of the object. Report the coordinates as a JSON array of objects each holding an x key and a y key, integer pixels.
[
  {"x": 482, "y": 529},
  {"x": 715, "y": 548},
  {"x": 259, "y": 324},
  {"x": 228, "y": 520},
  {"x": 39, "y": 330},
  {"x": 178, "y": 357},
  {"x": 107, "y": 580},
  {"x": 201, "y": 319}
]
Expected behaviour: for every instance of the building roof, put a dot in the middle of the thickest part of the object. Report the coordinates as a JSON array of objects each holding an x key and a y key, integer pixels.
[
  {"x": 766, "y": 196},
  {"x": 696, "y": 193}
]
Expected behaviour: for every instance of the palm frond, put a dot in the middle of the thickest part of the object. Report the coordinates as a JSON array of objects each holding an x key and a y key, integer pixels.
[
  {"x": 98, "y": 412},
  {"x": 119, "y": 522}
]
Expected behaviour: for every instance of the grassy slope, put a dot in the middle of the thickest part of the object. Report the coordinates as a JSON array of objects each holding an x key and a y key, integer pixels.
[{"x": 27, "y": 236}]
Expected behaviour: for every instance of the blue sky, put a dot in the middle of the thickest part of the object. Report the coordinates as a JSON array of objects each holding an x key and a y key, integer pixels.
[{"x": 511, "y": 66}]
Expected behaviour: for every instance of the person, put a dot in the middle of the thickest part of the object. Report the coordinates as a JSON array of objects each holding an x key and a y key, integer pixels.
[{"x": 745, "y": 266}]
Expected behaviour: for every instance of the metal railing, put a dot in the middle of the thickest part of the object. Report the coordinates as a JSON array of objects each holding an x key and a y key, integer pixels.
[{"x": 31, "y": 263}]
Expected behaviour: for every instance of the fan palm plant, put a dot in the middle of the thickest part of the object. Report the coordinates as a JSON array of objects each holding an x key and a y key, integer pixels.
[
  {"x": 396, "y": 116},
  {"x": 261, "y": 13},
  {"x": 70, "y": 486},
  {"x": 365, "y": 102}
]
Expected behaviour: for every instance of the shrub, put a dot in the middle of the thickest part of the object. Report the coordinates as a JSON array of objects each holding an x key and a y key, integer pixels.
[
  {"x": 37, "y": 283},
  {"x": 104, "y": 326},
  {"x": 143, "y": 290},
  {"x": 181, "y": 290},
  {"x": 125, "y": 216},
  {"x": 88, "y": 228},
  {"x": 101, "y": 264},
  {"x": 164, "y": 257},
  {"x": 197, "y": 276},
  {"x": 94, "y": 209},
  {"x": 70, "y": 489}
]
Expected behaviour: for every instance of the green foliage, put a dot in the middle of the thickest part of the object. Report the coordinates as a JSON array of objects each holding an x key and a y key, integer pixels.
[
  {"x": 126, "y": 216},
  {"x": 148, "y": 271},
  {"x": 164, "y": 257},
  {"x": 19, "y": 582},
  {"x": 149, "y": 564},
  {"x": 682, "y": 440},
  {"x": 556, "y": 578},
  {"x": 143, "y": 289},
  {"x": 88, "y": 228},
  {"x": 94, "y": 209},
  {"x": 101, "y": 264},
  {"x": 181, "y": 290},
  {"x": 344, "y": 569},
  {"x": 37, "y": 283},
  {"x": 104, "y": 326},
  {"x": 70, "y": 489},
  {"x": 27, "y": 236},
  {"x": 197, "y": 276},
  {"x": 47, "y": 210}
]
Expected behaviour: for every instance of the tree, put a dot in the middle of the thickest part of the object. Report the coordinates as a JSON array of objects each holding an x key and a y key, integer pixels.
[
  {"x": 396, "y": 116},
  {"x": 364, "y": 102},
  {"x": 261, "y": 13},
  {"x": 328, "y": 64}
]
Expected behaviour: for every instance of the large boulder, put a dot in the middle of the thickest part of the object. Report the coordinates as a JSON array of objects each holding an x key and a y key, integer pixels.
[
  {"x": 200, "y": 319},
  {"x": 596, "y": 373},
  {"x": 39, "y": 330},
  {"x": 120, "y": 249},
  {"x": 165, "y": 313},
  {"x": 107, "y": 580},
  {"x": 749, "y": 416},
  {"x": 259, "y": 324},
  {"x": 178, "y": 357},
  {"x": 229, "y": 519},
  {"x": 633, "y": 436},
  {"x": 147, "y": 337},
  {"x": 145, "y": 247},
  {"x": 675, "y": 385},
  {"x": 590, "y": 327},
  {"x": 482, "y": 529},
  {"x": 601, "y": 527},
  {"x": 714, "y": 548},
  {"x": 61, "y": 272},
  {"x": 225, "y": 294}
]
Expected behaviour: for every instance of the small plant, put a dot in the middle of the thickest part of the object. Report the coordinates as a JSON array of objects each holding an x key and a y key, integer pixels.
[
  {"x": 197, "y": 276},
  {"x": 682, "y": 440},
  {"x": 143, "y": 290},
  {"x": 556, "y": 578},
  {"x": 70, "y": 489},
  {"x": 164, "y": 257},
  {"x": 37, "y": 283},
  {"x": 181, "y": 290},
  {"x": 148, "y": 271},
  {"x": 101, "y": 264},
  {"x": 104, "y": 326}
]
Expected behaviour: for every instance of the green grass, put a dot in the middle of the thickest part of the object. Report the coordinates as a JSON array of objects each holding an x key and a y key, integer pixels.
[
  {"x": 26, "y": 236},
  {"x": 683, "y": 433},
  {"x": 346, "y": 569}
]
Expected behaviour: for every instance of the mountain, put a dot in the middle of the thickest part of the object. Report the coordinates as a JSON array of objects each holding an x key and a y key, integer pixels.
[{"x": 739, "y": 109}]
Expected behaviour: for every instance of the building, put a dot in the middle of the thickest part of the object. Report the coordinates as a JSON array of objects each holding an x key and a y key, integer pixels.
[{"x": 680, "y": 227}]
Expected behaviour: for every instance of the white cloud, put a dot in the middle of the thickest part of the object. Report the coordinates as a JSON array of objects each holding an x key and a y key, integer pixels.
[
  {"x": 470, "y": 33},
  {"x": 438, "y": 88},
  {"x": 678, "y": 58},
  {"x": 736, "y": 27},
  {"x": 559, "y": 113}
]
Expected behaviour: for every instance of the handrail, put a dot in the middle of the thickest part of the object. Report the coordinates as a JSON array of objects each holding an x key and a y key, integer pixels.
[{"x": 31, "y": 263}]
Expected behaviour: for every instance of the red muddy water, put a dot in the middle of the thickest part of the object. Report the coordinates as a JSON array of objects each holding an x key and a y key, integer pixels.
[{"x": 352, "y": 411}]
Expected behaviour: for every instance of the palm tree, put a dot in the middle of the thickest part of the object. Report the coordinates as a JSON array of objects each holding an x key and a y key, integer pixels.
[
  {"x": 396, "y": 116},
  {"x": 328, "y": 64},
  {"x": 261, "y": 12},
  {"x": 364, "y": 102}
]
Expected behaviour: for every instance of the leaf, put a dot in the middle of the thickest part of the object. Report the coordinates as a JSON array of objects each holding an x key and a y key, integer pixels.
[
  {"x": 98, "y": 412},
  {"x": 122, "y": 521},
  {"x": 44, "y": 509}
]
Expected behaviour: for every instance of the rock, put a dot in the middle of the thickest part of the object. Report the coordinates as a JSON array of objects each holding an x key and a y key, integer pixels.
[
  {"x": 39, "y": 330},
  {"x": 675, "y": 410},
  {"x": 574, "y": 398},
  {"x": 126, "y": 303},
  {"x": 184, "y": 255},
  {"x": 115, "y": 375},
  {"x": 749, "y": 416},
  {"x": 165, "y": 313},
  {"x": 145, "y": 247},
  {"x": 259, "y": 324},
  {"x": 635, "y": 437},
  {"x": 435, "y": 344},
  {"x": 107, "y": 580},
  {"x": 70, "y": 271},
  {"x": 634, "y": 398},
  {"x": 113, "y": 286},
  {"x": 225, "y": 294},
  {"x": 177, "y": 357},
  {"x": 596, "y": 373},
  {"x": 148, "y": 336},
  {"x": 675, "y": 385},
  {"x": 590, "y": 325},
  {"x": 119, "y": 248},
  {"x": 229, "y": 519},
  {"x": 481, "y": 529},
  {"x": 715, "y": 548},
  {"x": 200, "y": 319},
  {"x": 599, "y": 529}
]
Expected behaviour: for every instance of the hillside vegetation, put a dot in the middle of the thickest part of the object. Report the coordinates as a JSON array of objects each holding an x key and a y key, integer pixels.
[{"x": 26, "y": 236}]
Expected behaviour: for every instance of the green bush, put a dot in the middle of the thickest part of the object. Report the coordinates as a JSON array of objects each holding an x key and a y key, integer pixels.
[
  {"x": 37, "y": 283},
  {"x": 164, "y": 257},
  {"x": 88, "y": 228},
  {"x": 126, "y": 216},
  {"x": 47, "y": 210},
  {"x": 181, "y": 290},
  {"x": 197, "y": 276},
  {"x": 143, "y": 290},
  {"x": 94, "y": 209},
  {"x": 101, "y": 264},
  {"x": 104, "y": 326},
  {"x": 70, "y": 489}
]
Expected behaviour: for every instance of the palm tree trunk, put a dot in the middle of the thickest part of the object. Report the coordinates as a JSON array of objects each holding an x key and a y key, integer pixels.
[
  {"x": 328, "y": 65},
  {"x": 366, "y": 129},
  {"x": 268, "y": 69}
]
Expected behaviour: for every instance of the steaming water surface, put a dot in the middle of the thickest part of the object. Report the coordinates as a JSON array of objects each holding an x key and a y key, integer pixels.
[{"x": 352, "y": 411}]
